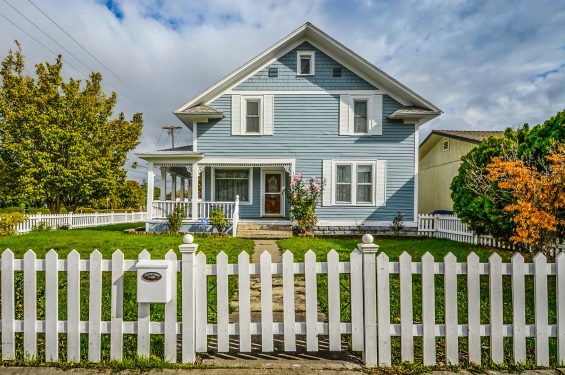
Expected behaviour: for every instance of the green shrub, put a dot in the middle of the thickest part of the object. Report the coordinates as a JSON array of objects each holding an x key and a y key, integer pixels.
[
  {"x": 218, "y": 220},
  {"x": 175, "y": 218},
  {"x": 9, "y": 221}
]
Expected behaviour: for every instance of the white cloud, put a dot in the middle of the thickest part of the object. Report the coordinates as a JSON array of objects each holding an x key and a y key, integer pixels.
[{"x": 487, "y": 64}]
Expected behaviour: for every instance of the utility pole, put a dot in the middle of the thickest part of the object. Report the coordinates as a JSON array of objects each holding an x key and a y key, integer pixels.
[{"x": 171, "y": 129}]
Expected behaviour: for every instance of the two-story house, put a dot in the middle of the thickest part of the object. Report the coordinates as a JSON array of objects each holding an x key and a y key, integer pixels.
[{"x": 307, "y": 105}]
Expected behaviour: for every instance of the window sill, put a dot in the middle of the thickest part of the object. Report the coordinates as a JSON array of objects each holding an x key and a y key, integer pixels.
[
  {"x": 305, "y": 75},
  {"x": 354, "y": 205}
]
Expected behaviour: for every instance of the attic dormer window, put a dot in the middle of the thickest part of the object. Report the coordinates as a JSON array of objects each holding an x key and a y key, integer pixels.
[
  {"x": 273, "y": 72},
  {"x": 305, "y": 63},
  {"x": 445, "y": 142}
]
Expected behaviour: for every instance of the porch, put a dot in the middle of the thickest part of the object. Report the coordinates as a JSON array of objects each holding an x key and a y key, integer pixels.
[{"x": 243, "y": 189}]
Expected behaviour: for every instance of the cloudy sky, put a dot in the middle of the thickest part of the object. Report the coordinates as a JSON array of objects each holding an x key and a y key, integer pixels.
[{"x": 486, "y": 64}]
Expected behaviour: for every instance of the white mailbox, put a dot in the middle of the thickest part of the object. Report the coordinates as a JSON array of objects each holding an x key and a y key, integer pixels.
[{"x": 154, "y": 281}]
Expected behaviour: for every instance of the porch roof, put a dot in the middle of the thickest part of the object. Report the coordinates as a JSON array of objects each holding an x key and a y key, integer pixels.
[
  {"x": 287, "y": 163},
  {"x": 182, "y": 155}
]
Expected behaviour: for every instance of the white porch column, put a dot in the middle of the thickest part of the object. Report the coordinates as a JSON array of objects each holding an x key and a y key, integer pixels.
[
  {"x": 194, "y": 191},
  {"x": 182, "y": 189},
  {"x": 163, "y": 184},
  {"x": 150, "y": 188},
  {"x": 173, "y": 187}
]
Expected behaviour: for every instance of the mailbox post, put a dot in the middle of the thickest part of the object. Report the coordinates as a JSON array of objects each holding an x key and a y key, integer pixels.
[{"x": 187, "y": 249}]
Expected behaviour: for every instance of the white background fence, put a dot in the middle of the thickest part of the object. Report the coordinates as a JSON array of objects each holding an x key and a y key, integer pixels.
[
  {"x": 369, "y": 282},
  {"x": 73, "y": 221}
]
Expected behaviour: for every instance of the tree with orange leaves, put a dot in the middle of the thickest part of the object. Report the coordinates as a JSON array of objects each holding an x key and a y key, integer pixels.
[{"x": 539, "y": 196}]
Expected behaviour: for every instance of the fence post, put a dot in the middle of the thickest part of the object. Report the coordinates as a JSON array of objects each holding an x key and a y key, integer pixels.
[
  {"x": 70, "y": 220},
  {"x": 187, "y": 249},
  {"x": 235, "y": 220},
  {"x": 368, "y": 250}
]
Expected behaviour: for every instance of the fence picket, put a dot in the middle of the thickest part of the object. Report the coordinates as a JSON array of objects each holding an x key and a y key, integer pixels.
[
  {"x": 406, "y": 309},
  {"x": 171, "y": 314},
  {"x": 450, "y": 291},
  {"x": 474, "y": 309},
  {"x": 311, "y": 301},
  {"x": 30, "y": 305},
  {"x": 428, "y": 309},
  {"x": 496, "y": 309},
  {"x": 51, "y": 306},
  {"x": 201, "y": 304},
  {"x": 95, "y": 306},
  {"x": 8, "y": 306},
  {"x": 334, "y": 309},
  {"x": 266, "y": 302},
  {"x": 73, "y": 307},
  {"x": 383, "y": 310},
  {"x": 117, "y": 306},
  {"x": 560, "y": 295},
  {"x": 356, "y": 287},
  {"x": 288, "y": 302},
  {"x": 223, "y": 337},
  {"x": 540, "y": 303},
  {"x": 518, "y": 309},
  {"x": 244, "y": 302},
  {"x": 143, "y": 319}
]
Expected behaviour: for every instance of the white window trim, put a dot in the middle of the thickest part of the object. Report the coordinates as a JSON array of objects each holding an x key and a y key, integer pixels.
[
  {"x": 354, "y": 164},
  {"x": 244, "y": 100},
  {"x": 370, "y": 124},
  {"x": 312, "y": 55},
  {"x": 250, "y": 192}
]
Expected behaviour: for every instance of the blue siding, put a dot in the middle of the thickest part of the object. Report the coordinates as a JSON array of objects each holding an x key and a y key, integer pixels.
[
  {"x": 322, "y": 80},
  {"x": 306, "y": 128}
]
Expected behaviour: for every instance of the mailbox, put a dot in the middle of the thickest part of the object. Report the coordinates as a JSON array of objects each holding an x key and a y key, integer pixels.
[{"x": 154, "y": 281}]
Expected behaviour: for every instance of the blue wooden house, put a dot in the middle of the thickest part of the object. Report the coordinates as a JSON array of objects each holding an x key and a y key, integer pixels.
[{"x": 307, "y": 105}]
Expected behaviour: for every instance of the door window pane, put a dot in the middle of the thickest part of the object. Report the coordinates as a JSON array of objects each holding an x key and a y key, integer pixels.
[{"x": 360, "y": 116}]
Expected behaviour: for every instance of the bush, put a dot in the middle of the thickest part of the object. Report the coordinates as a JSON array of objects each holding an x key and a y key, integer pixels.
[
  {"x": 175, "y": 218},
  {"x": 42, "y": 226},
  {"x": 9, "y": 221},
  {"x": 397, "y": 223},
  {"x": 303, "y": 198},
  {"x": 218, "y": 220}
]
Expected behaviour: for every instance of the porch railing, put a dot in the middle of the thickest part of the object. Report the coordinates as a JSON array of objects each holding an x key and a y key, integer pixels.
[
  {"x": 163, "y": 208},
  {"x": 204, "y": 209}
]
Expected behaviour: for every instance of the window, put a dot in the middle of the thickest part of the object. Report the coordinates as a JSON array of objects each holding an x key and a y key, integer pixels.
[
  {"x": 305, "y": 63},
  {"x": 343, "y": 183},
  {"x": 445, "y": 144},
  {"x": 336, "y": 72},
  {"x": 360, "y": 124},
  {"x": 354, "y": 183},
  {"x": 273, "y": 72},
  {"x": 252, "y": 118},
  {"x": 231, "y": 182}
]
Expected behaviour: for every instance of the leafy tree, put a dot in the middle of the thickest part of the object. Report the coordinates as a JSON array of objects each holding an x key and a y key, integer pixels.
[
  {"x": 60, "y": 143},
  {"x": 132, "y": 195},
  {"x": 538, "y": 197},
  {"x": 480, "y": 202}
]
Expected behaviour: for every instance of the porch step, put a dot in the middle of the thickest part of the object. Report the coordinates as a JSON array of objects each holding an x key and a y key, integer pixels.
[{"x": 263, "y": 231}]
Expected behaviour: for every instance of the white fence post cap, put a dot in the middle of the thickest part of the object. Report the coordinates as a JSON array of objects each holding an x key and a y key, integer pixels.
[
  {"x": 367, "y": 245},
  {"x": 188, "y": 245}
]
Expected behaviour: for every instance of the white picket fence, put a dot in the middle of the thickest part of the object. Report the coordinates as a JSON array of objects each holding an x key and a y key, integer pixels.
[
  {"x": 74, "y": 221},
  {"x": 370, "y": 291}
]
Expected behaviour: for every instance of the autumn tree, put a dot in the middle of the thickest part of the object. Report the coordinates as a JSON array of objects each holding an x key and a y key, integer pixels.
[
  {"x": 538, "y": 203},
  {"x": 59, "y": 140}
]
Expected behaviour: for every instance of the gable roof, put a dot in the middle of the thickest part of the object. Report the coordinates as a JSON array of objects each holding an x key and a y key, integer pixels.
[
  {"x": 470, "y": 136},
  {"x": 331, "y": 47}
]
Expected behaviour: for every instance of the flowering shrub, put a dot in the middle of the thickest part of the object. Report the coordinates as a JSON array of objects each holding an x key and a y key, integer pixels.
[
  {"x": 9, "y": 222},
  {"x": 303, "y": 198}
]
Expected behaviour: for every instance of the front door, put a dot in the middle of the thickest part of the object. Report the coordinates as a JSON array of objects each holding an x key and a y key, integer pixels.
[{"x": 273, "y": 199}]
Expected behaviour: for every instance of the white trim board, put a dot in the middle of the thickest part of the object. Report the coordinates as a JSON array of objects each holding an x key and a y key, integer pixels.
[
  {"x": 367, "y": 223},
  {"x": 303, "y": 92}
]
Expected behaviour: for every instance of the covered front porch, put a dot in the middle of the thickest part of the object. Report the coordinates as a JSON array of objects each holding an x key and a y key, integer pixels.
[{"x": 243, "y": 189}]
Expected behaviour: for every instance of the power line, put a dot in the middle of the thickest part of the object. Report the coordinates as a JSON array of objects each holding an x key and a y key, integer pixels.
[
  {"x": 171, "y": 129},
  {"x": 84, "y": 48}
]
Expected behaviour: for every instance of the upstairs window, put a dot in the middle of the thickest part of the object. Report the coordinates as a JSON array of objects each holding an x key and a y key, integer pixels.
[
  {"x": 360, "y": 125},
  {"x": 252, "y": 117},
  {"x": 305, "y": 63}
]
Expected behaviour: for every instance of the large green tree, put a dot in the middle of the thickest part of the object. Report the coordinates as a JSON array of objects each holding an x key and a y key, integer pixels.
[
  {"x": 59, "y": 140},
  {"x": 480, "y": 202}
]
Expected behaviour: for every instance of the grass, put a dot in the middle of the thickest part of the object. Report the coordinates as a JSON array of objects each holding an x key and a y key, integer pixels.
[
  {"x": 416, "y": 247},
  {"x": 107, "y": 239}
]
